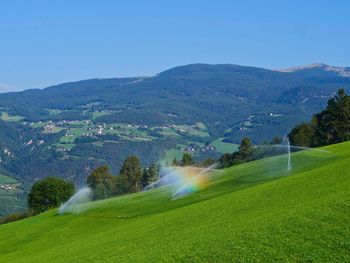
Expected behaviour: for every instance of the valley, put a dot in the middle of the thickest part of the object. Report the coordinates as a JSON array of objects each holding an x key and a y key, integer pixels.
[{"x": 69, "y": 129}]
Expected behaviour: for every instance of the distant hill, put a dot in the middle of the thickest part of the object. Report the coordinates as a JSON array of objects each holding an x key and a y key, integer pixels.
[
  {"x": 69, "y": 129},
  {"x": 319, "y": 70},
  {"x": 221, "y": 95},
  {"x": 254, "y": 212}
]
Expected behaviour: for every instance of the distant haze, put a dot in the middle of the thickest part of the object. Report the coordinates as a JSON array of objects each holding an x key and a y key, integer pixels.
[{"x": 8, "y": 88}]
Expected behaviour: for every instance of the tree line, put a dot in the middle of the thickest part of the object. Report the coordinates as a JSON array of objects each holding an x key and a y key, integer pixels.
[
  {"x": 52, "y": 192},
  {"x": 330, "y": 126},
  {"x": 132, "y": 178}
]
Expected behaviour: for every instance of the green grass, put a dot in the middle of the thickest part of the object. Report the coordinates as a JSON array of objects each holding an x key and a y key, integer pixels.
[
  {"x": 4, "y": 179},
  {"x": 65, "y": 145},
  {"x": 54, "y": 130},
  {"x": 198, "y": 130},
  {"x": 254, "y": 212},
  {"x": 12, "y": 118},
  {"x": 66, "y": 139},
  {"x": 170, "y": 155},
  {"x": 169, "y": 132},
  {"x": 97, "y": 114},
  {"x": 38, "y": 124},
  {"x": 53, "y": 112},
  {"x": 9, "y": 201},
  {"x": 224, "y": 147}
]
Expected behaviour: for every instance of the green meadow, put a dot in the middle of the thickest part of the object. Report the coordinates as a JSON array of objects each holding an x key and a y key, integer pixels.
[
  {"x": 12, "y": 118},
  {"x": 4, "y": 179},
  {"x": 224, "y": 147},
  {"x": 8, "y": 198},
  {"x": 254, "y": 212}
]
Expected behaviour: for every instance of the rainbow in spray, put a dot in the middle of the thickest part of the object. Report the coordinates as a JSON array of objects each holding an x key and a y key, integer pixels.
[{"x": 184, "y": 180}]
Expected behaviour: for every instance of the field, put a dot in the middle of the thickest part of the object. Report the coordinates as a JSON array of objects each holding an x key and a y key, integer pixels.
[
  {"x": 12, "y": 118},
  {"x": 6, "y": 180},
  {"x": 8, "y": 198},
  {"x": 170, "y": 155},
  {"x": 93, "y": 130},
  {"x": 253, "y": 212},
  {"x": 224, "y": 147}
]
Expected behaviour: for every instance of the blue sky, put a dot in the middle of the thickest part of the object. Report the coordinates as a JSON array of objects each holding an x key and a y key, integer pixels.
[{"x": 48, "y": 42}]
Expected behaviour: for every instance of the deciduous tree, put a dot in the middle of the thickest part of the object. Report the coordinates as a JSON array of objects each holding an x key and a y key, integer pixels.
[{"x": 49, "y": 193}]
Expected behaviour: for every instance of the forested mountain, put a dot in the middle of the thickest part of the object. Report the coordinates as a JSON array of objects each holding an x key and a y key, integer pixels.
[{"x": 68, "y": 129}]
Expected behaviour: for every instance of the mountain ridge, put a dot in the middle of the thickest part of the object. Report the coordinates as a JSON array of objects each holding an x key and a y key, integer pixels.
[
  {"x": 183, "y": 69},
  {"x": 341, "y": 71}
]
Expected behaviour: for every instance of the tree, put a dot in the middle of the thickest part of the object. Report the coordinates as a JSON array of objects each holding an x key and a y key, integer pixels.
[
  {"x": 245, "y": 154},
  {"x": 225, "y": 160},
  {"x": 175, "y": 162},
  {"x": 149, "y": 175},
  {"x": 245, "y": 150},
  {"x": 102, "y": 183},
  {"x": 276, "y": 140},
  {"x": 331, "y": 125},
  {"x": 121, "y": 185},
  {"x": 132, "y": 170},
  {"x": 49, "y": 193},
  {"x": 187, "y": 159},
  {"x": 302, "y": 135},
  {"x": 208, "y": 162}
]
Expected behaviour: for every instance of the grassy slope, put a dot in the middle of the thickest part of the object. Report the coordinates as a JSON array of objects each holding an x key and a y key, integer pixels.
[
  {"x": 4, "y": 179},
  {"x": 224, "y": 147},
  {"x": 255, "y": 212},
  {"x": 8, "y": 199}
]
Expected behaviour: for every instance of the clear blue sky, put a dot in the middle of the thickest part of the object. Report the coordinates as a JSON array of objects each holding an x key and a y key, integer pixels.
[{"x": 49, "y": 42}]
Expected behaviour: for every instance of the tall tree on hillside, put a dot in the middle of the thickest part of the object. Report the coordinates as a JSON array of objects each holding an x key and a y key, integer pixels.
[
  {"x": 132, "y": 170},
  {"x": 150, "y": 175},
  {"x": 225, "y": 160},
  {"x": 332, "y": 125},
  {"x": 245, "y": 150},
  {"x": 302, "y": 135},
  {"x": 208, "y": 162},
  {"x": 102, "y": 183},
  {"x": 49, "y": 193},
  {"x": 187, "y": 159},
  {"x": 276, "y": 140},
  {"x": 175, "y": 162}
]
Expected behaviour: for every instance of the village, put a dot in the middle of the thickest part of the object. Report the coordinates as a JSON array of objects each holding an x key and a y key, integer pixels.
[{"x": 7, "y": 187}]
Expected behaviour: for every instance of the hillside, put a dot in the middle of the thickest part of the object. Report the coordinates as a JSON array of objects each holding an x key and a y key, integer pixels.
[
  {"x": 69, "y": 129},
  {"x": 257, "y": 211}
]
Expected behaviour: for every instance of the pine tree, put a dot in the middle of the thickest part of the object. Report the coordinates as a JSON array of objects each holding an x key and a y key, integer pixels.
[
  {"x": 175, "y": 162},
  {"x": 245, "y": 150},
  {"x": 150, "y": 175},
  {"x": 332, "y": 125},
  {"x": 187, "y": 159}
]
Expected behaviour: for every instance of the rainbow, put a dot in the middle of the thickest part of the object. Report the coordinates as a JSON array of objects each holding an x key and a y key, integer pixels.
[{"x": 184, "y": 180}]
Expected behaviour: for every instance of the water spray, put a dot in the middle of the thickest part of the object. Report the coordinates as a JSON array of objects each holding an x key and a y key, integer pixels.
[
  {"x": 75, "y": 204},
  {"x": 288, "y": 146},
  {"x": 184, "y": 180}
]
